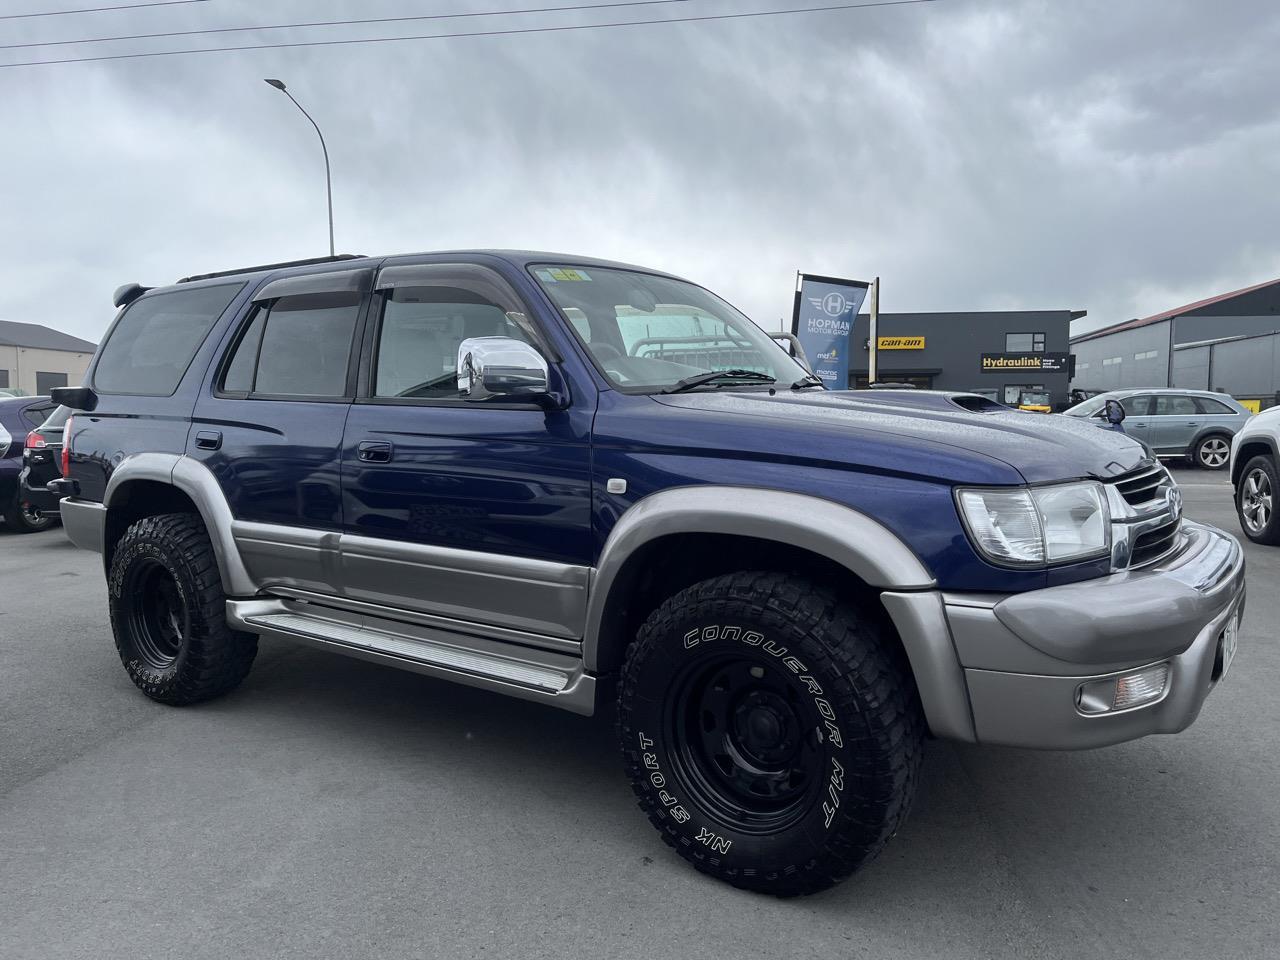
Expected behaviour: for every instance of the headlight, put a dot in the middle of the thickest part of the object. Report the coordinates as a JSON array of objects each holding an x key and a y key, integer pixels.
[{"x": 1037, "y": 526}]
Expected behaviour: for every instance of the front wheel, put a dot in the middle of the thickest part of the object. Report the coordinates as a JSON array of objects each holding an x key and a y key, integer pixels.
[
  {"x": 770, "y": 731},
  {"x": 1212, "y": 453},
  {"x": 1255, "y": 497}
]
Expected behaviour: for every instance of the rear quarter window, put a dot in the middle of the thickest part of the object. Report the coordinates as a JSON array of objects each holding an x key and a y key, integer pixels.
[{"x": 152, "y": 345}]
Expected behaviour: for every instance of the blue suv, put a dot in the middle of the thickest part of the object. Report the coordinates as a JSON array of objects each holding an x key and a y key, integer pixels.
[{"x": 552, "y": 477}]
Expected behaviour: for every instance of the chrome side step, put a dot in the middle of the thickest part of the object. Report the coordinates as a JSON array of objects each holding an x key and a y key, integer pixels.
[{"x": 522, "y": 672}]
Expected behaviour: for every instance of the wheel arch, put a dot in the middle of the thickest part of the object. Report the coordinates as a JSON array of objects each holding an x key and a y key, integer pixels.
[
  {"x": 725, "y": 528},
  {"x": 148, "y": 484},
  {"x": 1256, "y": 445},
  {"x": 1204, "y": 433}
]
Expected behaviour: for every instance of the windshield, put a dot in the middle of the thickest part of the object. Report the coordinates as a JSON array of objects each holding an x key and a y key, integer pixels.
[
  {"x": 1036, "y": 399},
  {"x": 648, "y": 333},
  {"x": 1086, "y": 408}
]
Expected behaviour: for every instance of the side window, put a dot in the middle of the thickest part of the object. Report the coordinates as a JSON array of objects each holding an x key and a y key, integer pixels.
[
  {"x": 295, "y": 347},
  {"x": 1175, "y": 406},
  {"x": 418, "y": 338},
  {"x": 152, "y": 345},
  {"x": 37, "y": 415},
  {"x": 1213, "y": 408},
  {"x": 1137, "y": 406}
]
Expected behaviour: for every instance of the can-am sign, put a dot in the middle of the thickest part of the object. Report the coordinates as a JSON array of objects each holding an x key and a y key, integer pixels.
[
  {"x": 1029, "y": 362},
  {"x": 900, "y": 343}
]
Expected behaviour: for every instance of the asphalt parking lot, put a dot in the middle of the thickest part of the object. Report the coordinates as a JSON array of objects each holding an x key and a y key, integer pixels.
[{"x": 334, "y": 808}]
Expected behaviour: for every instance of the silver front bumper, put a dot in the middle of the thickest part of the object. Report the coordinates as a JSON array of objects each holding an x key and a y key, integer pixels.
[{"x": 1020, "y": 659}]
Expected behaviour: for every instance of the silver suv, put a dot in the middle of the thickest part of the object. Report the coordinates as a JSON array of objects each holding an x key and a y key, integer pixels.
[
  {"x": 1255, "y": 463},
  {"x": 1175, "y": 423}
]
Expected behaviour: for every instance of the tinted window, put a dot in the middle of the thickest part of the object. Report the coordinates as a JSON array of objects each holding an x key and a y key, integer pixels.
[
  {"x": 37, "y": 415},
  {"x": 1137, "y": 406},
  {"x": 306, "y": 345},
  {"x": 1214, "y": 408},
  {"x": 420, "y": 333},
  {"x": 238, "y": 377},
  {"x": 1175, "y": 406},
  {"x": 151, "y": 347}
]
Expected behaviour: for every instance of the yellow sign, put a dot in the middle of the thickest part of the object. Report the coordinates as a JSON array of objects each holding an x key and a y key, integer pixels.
[
  {"x": 1254, "y": 406},
  {"x": 900, "y": 343}
]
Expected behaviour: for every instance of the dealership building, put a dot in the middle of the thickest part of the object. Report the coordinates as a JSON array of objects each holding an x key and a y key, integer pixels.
[
  {"x": 1228, "y": 343},
  {"x": 34, "y": 359},
  {"x": 998, "y": 354}
]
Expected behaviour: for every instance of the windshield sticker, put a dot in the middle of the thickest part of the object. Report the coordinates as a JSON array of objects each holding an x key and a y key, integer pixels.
[{"x": 564, "y": 275}]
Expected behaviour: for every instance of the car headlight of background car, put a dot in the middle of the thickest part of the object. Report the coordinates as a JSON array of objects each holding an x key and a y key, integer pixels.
[{"x": 1037, "y": 526}]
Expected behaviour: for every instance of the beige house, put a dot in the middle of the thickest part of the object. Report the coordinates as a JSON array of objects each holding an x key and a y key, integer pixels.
[{"x": 35, "y": 359}]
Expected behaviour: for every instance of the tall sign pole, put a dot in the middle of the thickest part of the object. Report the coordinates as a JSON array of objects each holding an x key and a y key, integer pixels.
[{"x": 873, "y": 341}]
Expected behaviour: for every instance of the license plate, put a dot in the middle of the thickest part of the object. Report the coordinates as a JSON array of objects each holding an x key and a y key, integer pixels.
[{"x": 1229, "y": 642}]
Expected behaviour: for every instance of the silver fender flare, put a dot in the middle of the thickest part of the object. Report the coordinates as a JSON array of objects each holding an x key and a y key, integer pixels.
[
  {"x": 197, "y": 482},
  {"x": 857, "y": 542}
]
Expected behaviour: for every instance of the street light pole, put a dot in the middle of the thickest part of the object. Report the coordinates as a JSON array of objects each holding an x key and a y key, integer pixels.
[{"x": 328, "y": 180}]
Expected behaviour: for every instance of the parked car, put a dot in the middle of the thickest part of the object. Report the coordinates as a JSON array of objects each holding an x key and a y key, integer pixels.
[
  {"x": 1255, "y": 476},
  {"x": 18, "y": 417},
  {"x": 1035, "y": 401},
  {"x": 1196, "y": 424},
  {"x": 41, "y": 463},
  {"x": 547, "y": 477}
]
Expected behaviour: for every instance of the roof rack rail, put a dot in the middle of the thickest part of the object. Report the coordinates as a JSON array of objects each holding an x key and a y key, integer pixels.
[{"x": 272, "y": 266}]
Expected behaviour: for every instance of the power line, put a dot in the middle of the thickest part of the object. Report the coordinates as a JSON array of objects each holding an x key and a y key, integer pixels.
[
  {"x": 127, "y": 6},
  {"x": 338, "y": 23},
  {"x": 476, "y": 33}
]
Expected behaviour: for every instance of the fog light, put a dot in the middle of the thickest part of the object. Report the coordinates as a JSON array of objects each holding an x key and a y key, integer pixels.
[{"x": 1123, "y": 693}]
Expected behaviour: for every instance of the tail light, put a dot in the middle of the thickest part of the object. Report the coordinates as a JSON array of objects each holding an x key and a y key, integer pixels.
[
  {"x": 66, "y": 447},
  {"x": 35, "y": 441}
]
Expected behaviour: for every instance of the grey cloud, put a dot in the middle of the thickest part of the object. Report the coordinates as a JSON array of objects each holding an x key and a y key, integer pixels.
[{"x": 1114, "y": 155}]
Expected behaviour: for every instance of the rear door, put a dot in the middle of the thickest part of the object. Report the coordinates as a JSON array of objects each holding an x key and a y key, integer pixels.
[
  {"x": 1177, "y": 420},
  {"x": 476, "y": 511},
  {"x": 270, "y": 429}
]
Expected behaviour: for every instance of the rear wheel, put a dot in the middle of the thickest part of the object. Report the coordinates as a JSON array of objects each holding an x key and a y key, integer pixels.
[
  {"x": 1212, "y": 453},
  {"x": 23, "y": 518},
  {"x": 769, "y": 731},
  {"x": 168, "y": 612},
  {"x": 1255, "y": 500}
]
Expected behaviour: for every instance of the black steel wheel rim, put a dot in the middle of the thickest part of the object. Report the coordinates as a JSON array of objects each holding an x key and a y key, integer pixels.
[
  {"x": 747, "y": 745},
  {"x": 158, "y": 616}
]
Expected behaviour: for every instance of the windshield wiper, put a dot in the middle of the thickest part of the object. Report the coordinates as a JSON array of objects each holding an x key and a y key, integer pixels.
[
  {"x": 688, "y": 383},
  {"x": 808, "y": 380}
]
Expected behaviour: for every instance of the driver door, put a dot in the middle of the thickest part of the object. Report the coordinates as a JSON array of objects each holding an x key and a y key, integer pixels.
[{"x": 473, "y": 510}]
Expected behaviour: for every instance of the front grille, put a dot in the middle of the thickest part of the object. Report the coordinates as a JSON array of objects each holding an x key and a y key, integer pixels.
[
  {"x": 1142, "y": 486},
  {"x": 1154, "y": 544}
]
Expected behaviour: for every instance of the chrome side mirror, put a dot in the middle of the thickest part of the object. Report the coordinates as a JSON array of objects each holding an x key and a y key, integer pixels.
[{"x": 500, "y": 367}]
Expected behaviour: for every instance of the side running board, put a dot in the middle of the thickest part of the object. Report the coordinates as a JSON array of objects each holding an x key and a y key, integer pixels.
[{"x": 523, "y": 672}]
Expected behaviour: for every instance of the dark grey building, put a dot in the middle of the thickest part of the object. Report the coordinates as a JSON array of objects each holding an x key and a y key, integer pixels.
[
  {"x": 1214, "y": 344},
  {"x": 998, "y": 354}
]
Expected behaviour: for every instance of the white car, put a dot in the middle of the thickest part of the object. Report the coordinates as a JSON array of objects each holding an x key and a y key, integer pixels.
[{"x": 1255, "y": 474}]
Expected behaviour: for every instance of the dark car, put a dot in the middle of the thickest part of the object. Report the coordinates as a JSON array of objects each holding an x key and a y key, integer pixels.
[
  {"x": 42, "y": 462},
  {"x": 582, "y": 483},
  {"x": 18, "y": 417}
]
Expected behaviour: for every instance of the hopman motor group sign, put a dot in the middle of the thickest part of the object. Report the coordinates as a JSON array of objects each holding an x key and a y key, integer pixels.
[{"x": 822, "y": 320}]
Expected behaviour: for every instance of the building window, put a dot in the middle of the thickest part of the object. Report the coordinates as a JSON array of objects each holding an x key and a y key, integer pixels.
[
  {"x": 1024, "y": 343},
  {"x": 47, "y": 381},
  {"x": 1082, "y": 366},
  {"x": 1147, "y": 355},
  {"x": 4, "y": 379},
  {"x": 1111, "y": 361}
]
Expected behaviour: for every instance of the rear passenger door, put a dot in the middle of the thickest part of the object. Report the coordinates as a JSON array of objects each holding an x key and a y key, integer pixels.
[
  {"x": 477, "y": 511},
  {"x": 1176, "y": 422},
  {"x": 270, "y": 430}
]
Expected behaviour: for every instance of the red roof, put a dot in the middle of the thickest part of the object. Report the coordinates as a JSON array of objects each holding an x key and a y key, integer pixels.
[{"x": 1175, "y": 312}]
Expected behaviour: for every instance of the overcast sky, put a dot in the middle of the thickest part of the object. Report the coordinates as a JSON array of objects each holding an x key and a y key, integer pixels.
[{"x": 1117, "y": 156}]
